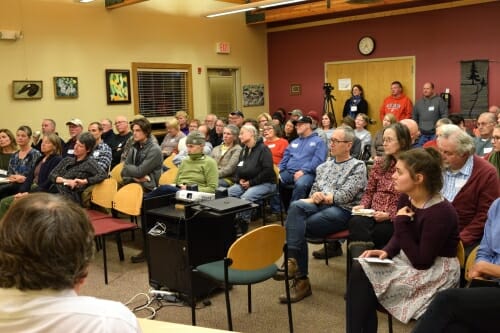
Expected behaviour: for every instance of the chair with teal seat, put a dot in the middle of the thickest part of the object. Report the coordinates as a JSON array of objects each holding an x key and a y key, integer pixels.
[{"x": 251, "y": 259}]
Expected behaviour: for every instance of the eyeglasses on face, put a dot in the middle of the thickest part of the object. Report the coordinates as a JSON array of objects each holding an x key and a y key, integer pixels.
[
  {"x": 335, "y": 141},
  {"x": 495, "y": 138},
  {"x": 388, "y": 140}
]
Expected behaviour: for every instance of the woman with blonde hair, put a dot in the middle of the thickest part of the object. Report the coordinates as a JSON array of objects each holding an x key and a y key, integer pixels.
[
  {"x": 378, "y": 143},
  {"x": 227, "y": 155},
  {"x": 171, "y": 140},
  {"x": 263, "y": 119}
]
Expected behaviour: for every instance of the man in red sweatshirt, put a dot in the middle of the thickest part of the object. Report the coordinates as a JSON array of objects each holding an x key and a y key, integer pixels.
[{"x": 397, "y": 103}]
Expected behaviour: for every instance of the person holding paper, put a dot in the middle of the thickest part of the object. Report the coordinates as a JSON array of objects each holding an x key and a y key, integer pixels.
[{"x": 423, "y": 248}]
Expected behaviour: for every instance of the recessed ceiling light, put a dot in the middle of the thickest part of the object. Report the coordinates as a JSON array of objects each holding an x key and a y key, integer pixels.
[{"x": 85, "y": 1}]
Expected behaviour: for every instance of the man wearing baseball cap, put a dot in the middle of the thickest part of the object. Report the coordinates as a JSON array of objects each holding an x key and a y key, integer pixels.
[
  {"x": 295, "y": 114},
  {"x": 236, "y": 118},
  {"x": 75, "y": 128},
  {"x": 300, "y": 160}
]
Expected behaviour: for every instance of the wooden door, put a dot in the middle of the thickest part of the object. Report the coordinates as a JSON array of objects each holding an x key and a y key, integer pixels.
[{"x": 375, "y": 76}]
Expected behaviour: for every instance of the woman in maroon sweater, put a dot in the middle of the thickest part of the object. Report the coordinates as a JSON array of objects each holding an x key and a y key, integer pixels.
[{"x": 423, "y": 249}]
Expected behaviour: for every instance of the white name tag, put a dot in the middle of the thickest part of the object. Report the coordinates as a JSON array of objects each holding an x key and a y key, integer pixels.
[
  {"x": 71, "y": 151},
  {"x": 172, "y": 140},
  {"x": 487, "y": 150},
  {"x": 241, "y": 163},
  {"x": 295, "y": 145},
  {"x": 271, "y": 146},
  {"x": 354, "y": 108},
  {"x": 431, "y": 108},
  {"x": 96, "y": 154},
  {"x": 3, "y": 172}
]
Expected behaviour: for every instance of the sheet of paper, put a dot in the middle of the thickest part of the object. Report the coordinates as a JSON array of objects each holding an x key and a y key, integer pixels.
[{"x": 375, "y": 260}]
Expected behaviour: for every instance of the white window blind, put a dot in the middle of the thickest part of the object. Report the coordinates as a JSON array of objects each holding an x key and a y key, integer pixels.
[{"x": 162, "y": 89}]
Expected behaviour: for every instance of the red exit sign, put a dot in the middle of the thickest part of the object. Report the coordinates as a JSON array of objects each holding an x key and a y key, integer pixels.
[{"x": 223, "y": 47}]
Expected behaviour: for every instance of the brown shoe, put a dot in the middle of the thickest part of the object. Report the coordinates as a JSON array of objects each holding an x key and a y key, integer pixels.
[
  {"x": 334, "y": 249},
  {"x": 300, "y": 289},
  {"x": 292, "y": 270}
]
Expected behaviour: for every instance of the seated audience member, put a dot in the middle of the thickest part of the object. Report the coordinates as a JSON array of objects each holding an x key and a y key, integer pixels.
[
  {"x": 262, "y": 120},
  {"x": 458, "y": 120},
  {"x": 102, "y": 152},
  {"x": 210, "y": 120},
  {"x": 183, "y": 119},
  {"x": 8, "y": 147},
  {"x": 144, "y": 161},
  {"x": 368, "y": 232},
  {"x": 38, "y": 179},
  {"x": 73, "y": 174},
  {"x": 274, "y": 141},
  {"x": 414, "y": 131},
  {"x": 254, "y": 175},
  {"x": 227, "y": 155},
  {"x": 338, "y": 187},
  {"x": 316, "y": 126},
  {"x": 252, "y": 122},
  {"x": 171, "y": 140},
  {"x": 236, "y": 118},
  {"x": 423, "y": 249},
  {"x": 470, "y": 183},
  {"x": 301, "y": 158},
  {"x": 433, "y": 143},
  {"x": 46, "y": 245},
  {"x": 217, "y": 138},
  {"x": 295, "y": 114},
  {"x": 360, "y": 130},
  {"x": 197, "y": 169},
  {"x": 120, "y": 139},
  {"x": 193, "y": 126},
  {"x": 207, "y": 148},
  {"x": 107, "y": 131},
  {"x": 278, "y": 118},
  {"x": 21, "y": 163},
  {"x": 356, "y": 145},
  {"x": 127, "y": 148},
  {"x": 75, "y": 128},
  {"x": 289, "y": 131},
  {"x": 470, "y": 310},
  {"x": 494, "y": 156},
  {"x": 48, "y": 127},
  {"x": 378, "y": 143},
  {"x": 485, "y": 125},
  {"x": 327, "y": 124}
]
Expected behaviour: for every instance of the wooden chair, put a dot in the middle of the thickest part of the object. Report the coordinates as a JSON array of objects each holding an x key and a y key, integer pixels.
[
  {"x": 168, "y": 177},
  {"x": 116, "y": 173},
  {"x": 471, "y": 259},
  {"x": 102, "y": 196},
  {"x": 168, "y": 162},
  {"x": 251, "y": 259},
  {"x": 127, "y": 200}
]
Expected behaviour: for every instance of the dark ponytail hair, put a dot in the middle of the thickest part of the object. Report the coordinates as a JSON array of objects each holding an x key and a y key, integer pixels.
[{"x": 427, "y": 162}]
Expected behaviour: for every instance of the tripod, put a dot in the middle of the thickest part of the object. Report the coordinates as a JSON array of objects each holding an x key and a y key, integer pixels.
[{"x": 328, "y": 103}]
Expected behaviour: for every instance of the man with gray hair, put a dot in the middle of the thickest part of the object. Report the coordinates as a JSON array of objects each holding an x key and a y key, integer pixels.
[
  {"x": 470, "y": 183},
  {"x": 485, "y": 124},
  {"x": 338, "y": 187}
]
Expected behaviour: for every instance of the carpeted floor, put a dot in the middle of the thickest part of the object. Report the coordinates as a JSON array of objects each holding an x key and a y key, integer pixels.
[{"x": 324, "y": 311}]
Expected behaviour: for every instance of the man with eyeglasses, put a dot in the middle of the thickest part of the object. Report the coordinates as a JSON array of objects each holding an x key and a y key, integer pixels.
[
  {"x": 107, "y": 131},
  {"x": 338, "y": 187},
  {"x": 470, "y": 183},
  {"x": 485, "y": 125},
  {"x": 120, "y": 139}
]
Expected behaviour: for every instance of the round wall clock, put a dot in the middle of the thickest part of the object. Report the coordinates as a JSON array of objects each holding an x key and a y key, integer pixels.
[{"x": 366, "y": 45}]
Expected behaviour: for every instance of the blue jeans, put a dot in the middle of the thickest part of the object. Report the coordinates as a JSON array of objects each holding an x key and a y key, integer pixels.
[
  {"x": 302, "y": 186},
  {"x": 161, "y": 190},
  {"x": 311, "y": 220},
  {"x": 424, "y": 138},
  {"x": 253, "y": 194}
]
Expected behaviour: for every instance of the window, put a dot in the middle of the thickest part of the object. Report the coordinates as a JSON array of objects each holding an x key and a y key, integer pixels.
[{"x": 161, "y": 90}]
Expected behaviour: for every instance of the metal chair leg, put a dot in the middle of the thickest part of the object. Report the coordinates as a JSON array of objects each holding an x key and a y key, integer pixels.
[
  {"x": 249, "y": 290},
  {"x": 104, "y": 259}
]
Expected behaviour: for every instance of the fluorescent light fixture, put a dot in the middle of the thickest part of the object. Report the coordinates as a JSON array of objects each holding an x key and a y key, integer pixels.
[
  {"x": 233, "y": 11},
  {"x": 251, "y": 6},
  {"x": 280, "y": 3},
  {"x": 85, "y": 1}
]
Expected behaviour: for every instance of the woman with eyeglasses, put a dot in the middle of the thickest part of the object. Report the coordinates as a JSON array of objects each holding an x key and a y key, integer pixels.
[
  {"x": 374, "y": 229},
  {"x": 494, "y": 156},
  {"x": 377, "y": 143},
  {"x": 274, "y": 141},
  {"x": 227, "y": 155}
]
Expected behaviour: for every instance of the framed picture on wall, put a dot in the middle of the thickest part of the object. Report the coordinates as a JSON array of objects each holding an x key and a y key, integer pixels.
[
  {"x": 27, "y": 89},
  {"x": 118, "y": 86},
  {"x": 65, "y": 86},
  {"x": 295, "y": 89}
]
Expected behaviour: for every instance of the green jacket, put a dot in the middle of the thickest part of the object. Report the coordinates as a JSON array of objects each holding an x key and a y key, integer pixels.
[{"x": 199, "y": 169}]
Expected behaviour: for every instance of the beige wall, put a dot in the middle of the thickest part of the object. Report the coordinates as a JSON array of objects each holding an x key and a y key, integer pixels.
[{"x": 64, "y": 38}]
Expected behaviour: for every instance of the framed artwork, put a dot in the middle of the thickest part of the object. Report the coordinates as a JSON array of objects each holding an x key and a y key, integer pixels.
[
  {"x": 118, "y": 86},
  {"x": 253, "y": 95},
  {"x": 65, "y": 86},
  {"x": 27, "y": 89},
  {"x": 295, "y": 89}
]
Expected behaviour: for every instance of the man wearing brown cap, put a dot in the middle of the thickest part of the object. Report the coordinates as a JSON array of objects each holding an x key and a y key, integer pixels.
[
  {"x": 75, "y": 128},
  {"x": 300, "y": 160},
  {"x": 295, "y": 114}
]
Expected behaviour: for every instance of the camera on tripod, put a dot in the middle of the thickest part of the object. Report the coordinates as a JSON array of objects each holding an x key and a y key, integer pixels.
[{"x": 327, "y": 87}]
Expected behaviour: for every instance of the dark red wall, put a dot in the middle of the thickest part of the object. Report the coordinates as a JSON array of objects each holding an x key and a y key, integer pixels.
[{"x": 439, "y": 40}]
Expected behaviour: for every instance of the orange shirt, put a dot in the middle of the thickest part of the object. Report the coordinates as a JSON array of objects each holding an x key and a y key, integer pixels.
[
  {"x": 277, "y": 148},
  {"x": 400, "y": 106}
]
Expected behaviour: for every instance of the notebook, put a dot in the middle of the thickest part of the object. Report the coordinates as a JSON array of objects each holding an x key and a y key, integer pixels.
[{"x": 225, "y": 204}]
